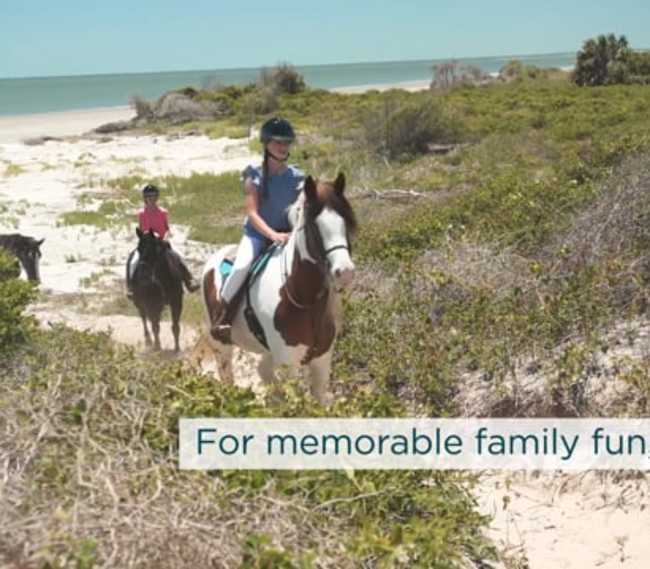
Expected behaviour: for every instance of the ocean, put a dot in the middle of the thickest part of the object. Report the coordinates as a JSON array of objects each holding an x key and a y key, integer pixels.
[{"x": 45, "y": 94}]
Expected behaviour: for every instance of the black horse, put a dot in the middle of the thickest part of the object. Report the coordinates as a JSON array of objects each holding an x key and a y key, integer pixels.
[
  {"x": 155, "y": 284},
  {"x": 27, "y": 250}
]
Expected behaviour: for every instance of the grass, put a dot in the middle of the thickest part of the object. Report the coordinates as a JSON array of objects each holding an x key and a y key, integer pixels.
[
  {"x": 210, "y": 205},
  {"x": 12, "y": 170},
  {"x": 526, "y": 247},
  {"x": 325, "y": 518}
]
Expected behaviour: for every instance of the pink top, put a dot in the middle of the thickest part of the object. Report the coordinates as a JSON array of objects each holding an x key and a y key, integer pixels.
[{"x": 154, "y": 218}]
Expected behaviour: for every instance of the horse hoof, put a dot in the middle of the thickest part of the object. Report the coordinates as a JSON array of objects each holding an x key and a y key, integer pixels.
[{"x": 325, "y": 399}]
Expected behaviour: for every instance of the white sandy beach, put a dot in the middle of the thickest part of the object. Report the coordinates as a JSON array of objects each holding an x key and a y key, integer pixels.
[
  {"x": 405, "y": 85},
  {"x": 16, "y": 128},
  {"x": 554, "y": 522}
]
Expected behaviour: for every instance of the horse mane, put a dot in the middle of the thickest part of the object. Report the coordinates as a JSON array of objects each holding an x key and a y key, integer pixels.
[
  {"x": 327, "y": 197},
  {"x": 17, "y": 243}
]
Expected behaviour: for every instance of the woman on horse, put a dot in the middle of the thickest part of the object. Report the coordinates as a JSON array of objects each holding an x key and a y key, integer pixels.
[
  {"x": 269, "y": 190},
  {"x": 155, "y": 218}
]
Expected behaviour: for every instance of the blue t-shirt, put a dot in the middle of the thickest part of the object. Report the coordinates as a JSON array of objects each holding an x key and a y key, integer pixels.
[{"x": 281, "y": 191}]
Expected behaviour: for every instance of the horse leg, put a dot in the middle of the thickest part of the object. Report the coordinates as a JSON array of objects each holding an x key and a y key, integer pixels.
[
  {"x": 266, "y": 370},
  {"x": 319, "y": 372},
  {"x": 223, "y": 357},
  {"x": 155, "y": 326},
  {"x": 176, "y": 308},
  {"x": 147, "y": 336}
]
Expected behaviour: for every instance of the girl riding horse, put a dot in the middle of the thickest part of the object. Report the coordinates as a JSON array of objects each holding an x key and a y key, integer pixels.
[
  {"x": 269, "y": 191},
  {"x": 154, "y": 218}
]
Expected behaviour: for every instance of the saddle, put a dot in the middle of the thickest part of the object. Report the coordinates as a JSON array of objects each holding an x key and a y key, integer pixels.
[{"x": 225, "y": 268}]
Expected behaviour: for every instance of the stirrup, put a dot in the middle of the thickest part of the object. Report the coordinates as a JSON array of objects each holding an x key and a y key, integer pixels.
[{"x": 222, "y": 333}]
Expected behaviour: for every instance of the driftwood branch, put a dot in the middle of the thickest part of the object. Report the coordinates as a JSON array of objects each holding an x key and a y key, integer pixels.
[{"x": 391, "y": 194}]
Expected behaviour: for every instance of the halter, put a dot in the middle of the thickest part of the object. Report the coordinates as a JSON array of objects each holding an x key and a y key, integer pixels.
[{"x": 322, "y": 262}]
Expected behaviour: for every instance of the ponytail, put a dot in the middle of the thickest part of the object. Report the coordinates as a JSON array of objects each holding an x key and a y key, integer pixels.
[{"x": 265, "y": 175}]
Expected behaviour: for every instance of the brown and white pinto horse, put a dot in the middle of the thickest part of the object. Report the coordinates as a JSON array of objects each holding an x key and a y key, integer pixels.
[{"x": 295, "y": 296}]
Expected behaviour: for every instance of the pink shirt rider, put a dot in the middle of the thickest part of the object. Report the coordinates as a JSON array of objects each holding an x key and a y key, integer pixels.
[{"x": 154, "y": 218}]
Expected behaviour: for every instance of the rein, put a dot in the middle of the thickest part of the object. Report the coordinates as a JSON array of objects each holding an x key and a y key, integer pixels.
[{"x": 322, "y": 263}]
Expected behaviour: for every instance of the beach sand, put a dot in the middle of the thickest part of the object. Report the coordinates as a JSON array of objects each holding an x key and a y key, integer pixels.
[
  {"x": 16, "y": 128},
  {"x": 405, "y": 85},
  {"x": 566, "y": 522}
]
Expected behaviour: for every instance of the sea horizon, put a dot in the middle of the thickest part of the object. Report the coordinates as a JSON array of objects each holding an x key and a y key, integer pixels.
[{"x": 33, "y": 95}]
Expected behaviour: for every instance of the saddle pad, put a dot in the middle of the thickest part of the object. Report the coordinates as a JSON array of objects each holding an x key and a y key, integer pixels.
[{"x": 225, "y": 268}]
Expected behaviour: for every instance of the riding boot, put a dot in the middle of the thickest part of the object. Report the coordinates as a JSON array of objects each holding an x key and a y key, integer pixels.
[
  {"x": 178, "y": 266},
  {"x": 191, "y": 284}
]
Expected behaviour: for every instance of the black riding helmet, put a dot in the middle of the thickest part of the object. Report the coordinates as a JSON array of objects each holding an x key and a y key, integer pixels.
[
  {"x": 277, "y": 129},
  {"x": 150, "y": 190}
]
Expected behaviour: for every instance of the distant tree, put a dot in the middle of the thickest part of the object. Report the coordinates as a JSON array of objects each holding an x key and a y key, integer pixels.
[
  {"x": 451, "y": 73},
  {"x": 639, "y": 67},
  {"x": 282, "y": 79},
  {"x": 602, "y": 61}
]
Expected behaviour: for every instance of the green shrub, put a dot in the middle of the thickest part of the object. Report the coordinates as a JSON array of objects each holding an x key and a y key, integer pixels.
[
  {"x": 403, "y": 130},
  {"x": 283, "y": 79},
  {"x": 608, "y": 60},
  {"x": 15, "y": 295},
  {"x": 515, "y": 70}
]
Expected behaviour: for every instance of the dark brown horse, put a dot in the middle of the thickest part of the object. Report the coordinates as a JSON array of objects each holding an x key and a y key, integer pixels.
[
  {"x": 27, "y": 250},
  {"x": 156, "y": 285}
]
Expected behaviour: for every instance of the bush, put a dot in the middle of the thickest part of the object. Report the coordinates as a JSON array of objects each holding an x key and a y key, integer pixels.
[
  {"x": 260, "y": 102},
  {"x": 451, "y": 73},
  {"x": 403, "y": 130},
  {"x": 515, "y": 70},
  {"x": 15, "y": 294},
  {"x": 283, "y": 79},
  {"x": 602, "y": 61},
  {"x": 143, "y": 108}
]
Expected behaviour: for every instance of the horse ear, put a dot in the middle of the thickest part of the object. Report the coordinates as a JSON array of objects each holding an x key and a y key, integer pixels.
[
  {"x": 138, "y": 232},
  {"x": 39, "y": 243},
  {"x": 339, "y": 183},
  {"x": 310, "y": 189}
]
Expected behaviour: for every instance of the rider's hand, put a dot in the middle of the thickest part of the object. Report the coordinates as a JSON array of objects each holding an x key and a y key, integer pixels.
[{"x": 280, "y": 237}]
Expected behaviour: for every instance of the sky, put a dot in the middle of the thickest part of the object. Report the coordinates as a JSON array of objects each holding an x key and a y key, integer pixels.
[{"x": 70, "y": 37}]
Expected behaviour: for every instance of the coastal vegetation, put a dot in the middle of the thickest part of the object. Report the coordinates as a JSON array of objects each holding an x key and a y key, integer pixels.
[
  {"x": 503, "y": 233},
  {"x": 609, "y": 60}
]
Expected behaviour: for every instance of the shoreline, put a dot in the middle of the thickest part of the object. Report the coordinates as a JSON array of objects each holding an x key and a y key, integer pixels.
[{"x": 18, "y": 128}]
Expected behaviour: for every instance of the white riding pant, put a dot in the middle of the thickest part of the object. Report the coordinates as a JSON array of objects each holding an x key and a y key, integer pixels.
[
  {"x": 249, "y": 249},
  {"x": 133, "y": 263}
]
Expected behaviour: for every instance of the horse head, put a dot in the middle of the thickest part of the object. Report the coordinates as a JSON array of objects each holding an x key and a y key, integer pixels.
[
  {"x": 27, "y": 250},
  {"x": 151, "y": 250},
  {"x": 329, "y": 224}
]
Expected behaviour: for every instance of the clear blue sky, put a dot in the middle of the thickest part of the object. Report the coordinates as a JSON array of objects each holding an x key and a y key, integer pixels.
[{"x": 65, "y": 37}]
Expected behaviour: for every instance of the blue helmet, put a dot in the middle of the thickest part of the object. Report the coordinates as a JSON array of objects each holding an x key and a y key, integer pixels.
[{"x": 277, "y": 129}]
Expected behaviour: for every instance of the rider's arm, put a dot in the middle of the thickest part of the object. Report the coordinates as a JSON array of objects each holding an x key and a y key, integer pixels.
[
  {"x": 250, "y": 202},
  {"x": 168, "y": 232}
]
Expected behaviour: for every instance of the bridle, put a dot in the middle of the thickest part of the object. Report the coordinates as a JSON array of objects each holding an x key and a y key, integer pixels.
[
  {"x": 322, "y": 260},
  {"x": 151, "y": 266}
]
